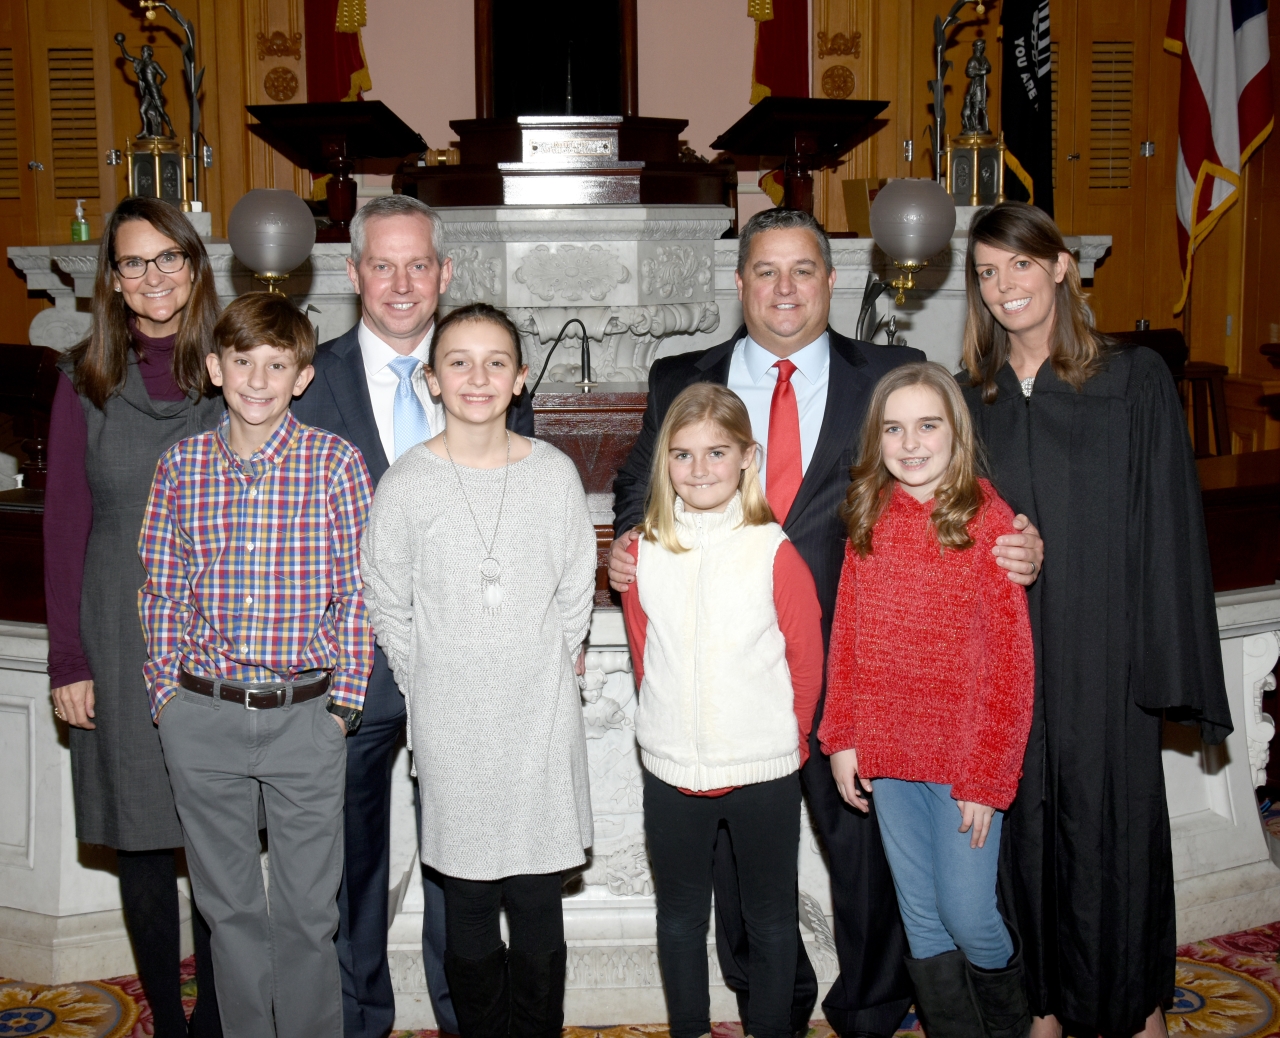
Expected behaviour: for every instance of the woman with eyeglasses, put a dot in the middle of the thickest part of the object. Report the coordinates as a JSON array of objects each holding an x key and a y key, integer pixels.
[{"x": 132, "y": 388}]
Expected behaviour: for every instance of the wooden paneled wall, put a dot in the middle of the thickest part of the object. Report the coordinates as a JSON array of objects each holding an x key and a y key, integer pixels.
[
  {"x": 1114, "y": 88},
  {"x": 67, "y": 99},
  {"x": 272, "y": 77}
]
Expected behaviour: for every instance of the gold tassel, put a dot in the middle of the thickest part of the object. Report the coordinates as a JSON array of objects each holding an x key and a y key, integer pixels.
[
  {"x": 760, "y": 10},
  {"x": 351, "y": 15}
]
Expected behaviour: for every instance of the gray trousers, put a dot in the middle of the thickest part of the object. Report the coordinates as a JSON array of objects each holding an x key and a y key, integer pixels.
[{"x": 277, "y": 969}]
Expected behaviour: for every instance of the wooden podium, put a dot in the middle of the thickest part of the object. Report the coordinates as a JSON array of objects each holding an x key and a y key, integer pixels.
[
  {"x": 808, "y": 133},
  {"x": 339, "y": 138}
]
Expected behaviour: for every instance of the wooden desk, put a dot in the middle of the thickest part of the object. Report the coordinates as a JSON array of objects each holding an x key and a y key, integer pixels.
[
  {"x": 22, "y": 556},
  {"x": 596, "y": 430},
  {"x": 1241, "y": 494}
]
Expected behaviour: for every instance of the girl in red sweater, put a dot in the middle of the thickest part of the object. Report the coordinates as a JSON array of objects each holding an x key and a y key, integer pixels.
[
  {"x": 726, "y": 639},
  {"x": 930, "y": 683}
]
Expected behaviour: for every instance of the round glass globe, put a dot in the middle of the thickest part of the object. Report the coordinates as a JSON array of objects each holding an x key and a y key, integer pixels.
[
  {"x": 912, "y": 220},
  {"x": 271, "y": 232}
]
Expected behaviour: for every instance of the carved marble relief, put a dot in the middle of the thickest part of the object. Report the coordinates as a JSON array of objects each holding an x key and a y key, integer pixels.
[
  {"x": 1260, "y": 654},
  {"x": 476, "y": 277},
  {"x": 572, "y": 272},
  {"x": 675, "y": 270},
  {"x": 629, "y": 337}
]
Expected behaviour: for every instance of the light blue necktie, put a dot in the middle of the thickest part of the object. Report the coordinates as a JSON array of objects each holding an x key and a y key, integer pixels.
[{"x": 409, "y": 417}]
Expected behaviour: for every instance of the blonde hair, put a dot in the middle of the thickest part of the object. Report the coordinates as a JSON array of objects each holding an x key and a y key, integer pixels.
[
  {"x": 1077, "y": 352},
  {"x": 701, "y": 402},
  {"x": 958, "y": 497}
]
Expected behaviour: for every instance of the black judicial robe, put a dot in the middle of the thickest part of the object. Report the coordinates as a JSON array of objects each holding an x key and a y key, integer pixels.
[{"x": 1125, "y": 630}]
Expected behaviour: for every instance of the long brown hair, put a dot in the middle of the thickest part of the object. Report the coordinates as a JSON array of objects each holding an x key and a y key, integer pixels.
[
  {"x": 959, "y": 495},
  {"x": 101, "y": 361},
  {"x": 1077, "y": 352},
  {"x": 701, "y": 402}
]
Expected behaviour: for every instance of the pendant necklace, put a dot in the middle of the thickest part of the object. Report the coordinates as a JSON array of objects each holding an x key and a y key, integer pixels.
[{"x": 490, "y": 568}]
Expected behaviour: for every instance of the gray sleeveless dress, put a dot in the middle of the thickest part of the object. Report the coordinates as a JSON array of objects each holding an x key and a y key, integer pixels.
[{"x": 122, "y": 794}]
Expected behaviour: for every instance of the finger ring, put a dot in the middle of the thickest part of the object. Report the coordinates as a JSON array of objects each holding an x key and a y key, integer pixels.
[{"x": 58, "y": 714}]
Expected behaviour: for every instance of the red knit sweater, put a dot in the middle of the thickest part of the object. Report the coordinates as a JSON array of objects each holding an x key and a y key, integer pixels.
[{"x": 931, "y": 670}]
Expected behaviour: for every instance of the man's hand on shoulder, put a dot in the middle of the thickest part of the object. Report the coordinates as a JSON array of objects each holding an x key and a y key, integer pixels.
[
  {"x": 622, "y": 567},
  {"x": 1020, "y": 554}
]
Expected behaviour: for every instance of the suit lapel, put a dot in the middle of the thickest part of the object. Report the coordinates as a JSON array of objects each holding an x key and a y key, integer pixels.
[
  {"x": 351, "y": 396},
  {"x": 714, "y": 364},
  {"x": 840, "y": 421}
]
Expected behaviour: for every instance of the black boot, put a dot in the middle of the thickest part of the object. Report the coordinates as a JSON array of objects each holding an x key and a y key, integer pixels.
[
  {"x": 537, "y": 993},
  {"x": 480, "y": 992},
  {"x": 944, "y": 1001},
  {"x": 1002, "y": 999}
]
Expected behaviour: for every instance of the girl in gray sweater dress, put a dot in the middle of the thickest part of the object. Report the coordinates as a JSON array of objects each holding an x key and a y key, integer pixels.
[{"x": 479, "y": 572}]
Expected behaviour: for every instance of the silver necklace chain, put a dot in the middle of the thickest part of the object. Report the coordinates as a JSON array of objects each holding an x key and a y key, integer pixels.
[{"x": 490, "y": 568}]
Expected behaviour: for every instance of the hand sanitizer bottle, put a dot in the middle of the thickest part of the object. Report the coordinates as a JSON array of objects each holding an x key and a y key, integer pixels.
[{"x": 79, "y": 226}]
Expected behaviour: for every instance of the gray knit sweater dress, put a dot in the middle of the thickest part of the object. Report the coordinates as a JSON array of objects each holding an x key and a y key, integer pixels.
[{"x": 495, "y": 716}]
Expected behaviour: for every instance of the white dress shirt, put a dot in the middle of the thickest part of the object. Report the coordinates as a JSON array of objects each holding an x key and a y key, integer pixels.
[
  {"x": 752, "y": 376},
  {"x": 383, "y": 383}
]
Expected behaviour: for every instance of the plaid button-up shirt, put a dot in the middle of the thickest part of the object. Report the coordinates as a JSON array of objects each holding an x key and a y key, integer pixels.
[{"x": 253, "y": 565}]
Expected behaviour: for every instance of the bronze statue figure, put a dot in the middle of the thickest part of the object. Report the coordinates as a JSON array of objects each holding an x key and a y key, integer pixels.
[
  {"x": 973, "y": 113},
  {"x": 151, "y": 78}
]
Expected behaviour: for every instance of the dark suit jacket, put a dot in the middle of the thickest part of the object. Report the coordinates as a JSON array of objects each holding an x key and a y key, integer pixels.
[
  {"x": 813, "y": 524},
  {"x": 338, "y": 400}
]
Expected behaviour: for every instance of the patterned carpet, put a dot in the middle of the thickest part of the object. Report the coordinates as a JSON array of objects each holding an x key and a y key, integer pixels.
[{"x": 1227, "y": 987}]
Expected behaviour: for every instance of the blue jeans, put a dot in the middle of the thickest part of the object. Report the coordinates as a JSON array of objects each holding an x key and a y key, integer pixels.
[{"x": 946, "y": 889}]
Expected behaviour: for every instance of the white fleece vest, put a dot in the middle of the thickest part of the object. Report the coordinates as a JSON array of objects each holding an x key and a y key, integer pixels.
[{"x": 716, "y": 704}]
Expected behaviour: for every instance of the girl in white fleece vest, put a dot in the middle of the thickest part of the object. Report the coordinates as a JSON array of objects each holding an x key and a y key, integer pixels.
[{"x": 726, "y": 639}]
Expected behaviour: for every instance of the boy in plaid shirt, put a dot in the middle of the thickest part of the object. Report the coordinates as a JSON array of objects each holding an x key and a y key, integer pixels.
[{"x": 260, "y": 648}]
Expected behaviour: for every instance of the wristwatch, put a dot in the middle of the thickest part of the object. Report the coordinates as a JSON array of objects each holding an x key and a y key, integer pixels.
[{"x": 349, "y": 714}]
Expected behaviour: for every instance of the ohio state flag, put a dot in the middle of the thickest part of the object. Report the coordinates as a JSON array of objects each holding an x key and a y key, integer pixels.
[{"x": 1224, "y": 109}]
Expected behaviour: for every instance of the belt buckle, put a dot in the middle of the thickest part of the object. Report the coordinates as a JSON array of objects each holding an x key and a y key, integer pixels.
[{"x": 279, "y": 693}]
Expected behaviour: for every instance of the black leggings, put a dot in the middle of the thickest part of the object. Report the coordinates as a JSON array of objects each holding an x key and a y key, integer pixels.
[
  {"x": 535, "y": 917},
  {"x": 763, "y": 823},
  {"x": 149, "y": 896}
]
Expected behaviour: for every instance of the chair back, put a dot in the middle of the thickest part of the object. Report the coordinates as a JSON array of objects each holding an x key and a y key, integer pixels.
[{"x": 1168, "y": 342}]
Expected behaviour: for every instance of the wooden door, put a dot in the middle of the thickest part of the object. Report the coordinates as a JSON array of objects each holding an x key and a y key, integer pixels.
[
  {"x": 1064, "y": 86},
  {"x": 1162, "y": 285},
  {"x": 1108, "y": 51},
  {"x": 17, "y": 182},
  {"x": 71, "y": 93}
]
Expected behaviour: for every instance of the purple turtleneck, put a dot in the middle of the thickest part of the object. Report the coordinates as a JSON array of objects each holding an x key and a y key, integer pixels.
[{"x": 68, "y": 506}]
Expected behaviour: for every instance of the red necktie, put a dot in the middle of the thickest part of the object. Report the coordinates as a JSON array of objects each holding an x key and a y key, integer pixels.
[{"x": 783, "y": 469}]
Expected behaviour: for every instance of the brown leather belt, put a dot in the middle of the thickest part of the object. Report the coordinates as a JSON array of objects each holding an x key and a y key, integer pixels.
[{"x": 264, "y": 697}]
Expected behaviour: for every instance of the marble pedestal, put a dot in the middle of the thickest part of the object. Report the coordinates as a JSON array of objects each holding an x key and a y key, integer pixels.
[
  {"x": 59, "y": 901},
  {"x": 60, "y": 917},
  {"x": 1225, "y": 879},
  {"x": 1224, "y": 875}
]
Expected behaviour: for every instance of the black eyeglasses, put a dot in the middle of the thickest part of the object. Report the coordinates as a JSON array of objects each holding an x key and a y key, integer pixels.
[{"x": 168, "y": 262}]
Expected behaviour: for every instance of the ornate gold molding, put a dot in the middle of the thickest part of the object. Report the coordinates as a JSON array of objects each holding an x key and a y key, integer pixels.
[
  {"x": 839, "y": 45},
  {"x": 278, "y": 45}
]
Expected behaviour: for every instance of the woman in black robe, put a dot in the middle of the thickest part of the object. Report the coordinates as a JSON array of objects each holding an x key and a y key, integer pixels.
[{"x": 1089, "y": 440}]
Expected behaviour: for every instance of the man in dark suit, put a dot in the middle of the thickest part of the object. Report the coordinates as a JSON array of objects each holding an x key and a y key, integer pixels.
[
  {"x": 806, "y": 388},
  {"x": 369, "y": 389}
]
